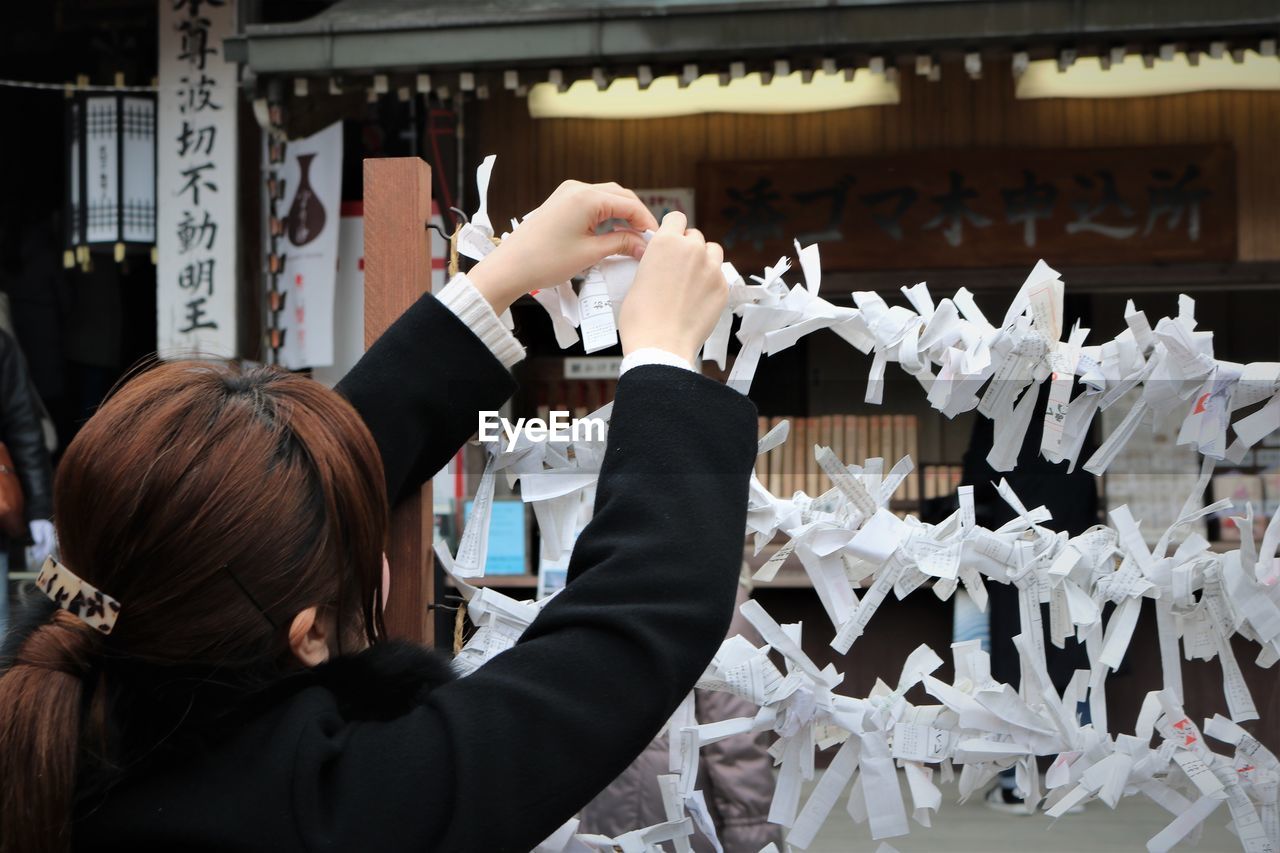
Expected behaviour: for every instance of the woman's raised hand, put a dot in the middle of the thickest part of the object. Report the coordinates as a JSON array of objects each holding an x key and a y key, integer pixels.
[
  {"x": 678, "y": 294},
  {"x": 559, "y": 240}
]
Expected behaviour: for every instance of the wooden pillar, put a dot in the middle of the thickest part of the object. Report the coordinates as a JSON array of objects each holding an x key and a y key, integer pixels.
[{"x": 397, "y": 270}]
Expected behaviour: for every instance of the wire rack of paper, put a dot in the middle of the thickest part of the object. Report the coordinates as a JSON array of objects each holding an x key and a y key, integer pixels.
[{"x": 857, "y": 552}]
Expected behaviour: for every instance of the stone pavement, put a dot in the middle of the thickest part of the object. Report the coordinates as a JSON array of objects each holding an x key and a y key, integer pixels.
[{"x": 974, "y": 828}]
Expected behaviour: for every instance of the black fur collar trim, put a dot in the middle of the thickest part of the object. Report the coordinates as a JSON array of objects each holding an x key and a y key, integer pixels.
[{"x": 384, "y": 680}]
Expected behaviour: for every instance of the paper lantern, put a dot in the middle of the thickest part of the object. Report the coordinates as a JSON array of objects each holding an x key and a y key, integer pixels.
[{"x": 111, "y": 173}]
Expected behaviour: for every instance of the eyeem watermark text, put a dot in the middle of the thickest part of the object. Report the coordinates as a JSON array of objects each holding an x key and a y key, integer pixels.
[{"x": 559, "y": 426}]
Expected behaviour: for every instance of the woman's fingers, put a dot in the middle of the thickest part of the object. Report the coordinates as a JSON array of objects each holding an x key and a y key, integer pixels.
[
  {"x": 612, "y": 205},
  {"x": 674, "y": 222},
  {"x": 615, "y": 188},
  {"x": 678, "y": 294},
  {"x": 715, "y": 254},
  {"x": 620, "y": 243},
  {"x": 561, "y": 240}
]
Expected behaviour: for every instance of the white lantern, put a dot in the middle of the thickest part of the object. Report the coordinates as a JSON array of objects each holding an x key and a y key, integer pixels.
[{"x": 111, "y": 173}]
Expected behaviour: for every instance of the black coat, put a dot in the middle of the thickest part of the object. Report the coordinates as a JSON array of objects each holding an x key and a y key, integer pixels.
[
  {"x": 21, "y": 432},
  {"x": 385, "y": 750}
]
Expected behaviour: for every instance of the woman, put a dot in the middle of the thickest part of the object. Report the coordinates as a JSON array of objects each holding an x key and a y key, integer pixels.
[{"x": 245, "y": 698}]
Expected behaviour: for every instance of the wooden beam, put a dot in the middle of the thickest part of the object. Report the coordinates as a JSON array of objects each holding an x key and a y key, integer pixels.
[{"x": 397, "y": 270}]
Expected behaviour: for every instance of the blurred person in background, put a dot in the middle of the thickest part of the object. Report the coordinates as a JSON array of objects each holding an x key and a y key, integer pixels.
[
  {"x": 735, "y": 774},
  {"x": 23, "y": 435},
  {"x": 1072, "y": 498}
]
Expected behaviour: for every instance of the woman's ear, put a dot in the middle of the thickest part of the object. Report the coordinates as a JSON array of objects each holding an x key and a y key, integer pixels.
[
  {"x": 386, "y": 581},
  {"x": 309, "y": 638}
]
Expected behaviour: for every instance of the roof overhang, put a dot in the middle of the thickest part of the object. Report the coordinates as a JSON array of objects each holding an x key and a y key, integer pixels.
[{"x": 363, "y": 36}]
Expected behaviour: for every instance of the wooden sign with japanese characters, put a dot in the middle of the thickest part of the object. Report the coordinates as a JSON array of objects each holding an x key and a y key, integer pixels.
[{"x": 985, "y": 208}]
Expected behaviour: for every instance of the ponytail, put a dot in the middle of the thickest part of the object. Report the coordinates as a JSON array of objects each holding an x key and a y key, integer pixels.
[{"x": 41, "y": 700}]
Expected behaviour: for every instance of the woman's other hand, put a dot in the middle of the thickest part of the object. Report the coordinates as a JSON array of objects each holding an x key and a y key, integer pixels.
[
  {"x": 678, "y": 294},
  {"x": 559, "y": 240}
]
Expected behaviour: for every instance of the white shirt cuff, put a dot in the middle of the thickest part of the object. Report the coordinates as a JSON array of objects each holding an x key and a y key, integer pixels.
[
  {"x": 461, "y": 297},
  {"x": 652, "y": 355}
]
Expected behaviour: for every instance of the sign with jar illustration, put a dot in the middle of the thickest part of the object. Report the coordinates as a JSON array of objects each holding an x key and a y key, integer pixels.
[{"x": 311, "y": 172}]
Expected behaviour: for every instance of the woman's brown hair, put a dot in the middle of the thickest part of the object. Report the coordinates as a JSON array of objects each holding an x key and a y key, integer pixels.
[{"x": 214, "y": 504}]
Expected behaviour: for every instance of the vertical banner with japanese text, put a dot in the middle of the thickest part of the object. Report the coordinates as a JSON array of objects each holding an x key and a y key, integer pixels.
[
  {"x": 312, "y": 175},
  {"x": 196, "y": 181}
]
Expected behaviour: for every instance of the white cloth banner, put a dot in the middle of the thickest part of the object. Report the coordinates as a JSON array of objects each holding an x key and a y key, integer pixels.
[
  {"x": 348, "y": 302},
  {"x": 196, "y": 183},
  {"x": 312, "y": 173}
]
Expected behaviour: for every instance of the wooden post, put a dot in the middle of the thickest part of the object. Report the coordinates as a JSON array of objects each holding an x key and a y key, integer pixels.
[{"x": 397, "y": 270}]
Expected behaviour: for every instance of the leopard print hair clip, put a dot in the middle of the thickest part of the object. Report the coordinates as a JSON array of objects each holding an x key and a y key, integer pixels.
[{"x": 78, "y": 597}]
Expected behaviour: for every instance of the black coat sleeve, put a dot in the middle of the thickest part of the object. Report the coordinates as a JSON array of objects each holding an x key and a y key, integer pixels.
[
  {"x": 419, "y": 389},
  {"x": 21, "y": 431},
  {"x": 499, "y": 759}
]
